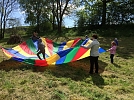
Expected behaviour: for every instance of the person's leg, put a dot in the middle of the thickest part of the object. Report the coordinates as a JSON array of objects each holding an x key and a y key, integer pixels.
[
  {"x": 43, "y": 53},
  {"x": 38, "y": 54},
  {"x": 111, "y": 57},
  {"x": 91, "y": 64},
  {"x": 96, "y": 64}
]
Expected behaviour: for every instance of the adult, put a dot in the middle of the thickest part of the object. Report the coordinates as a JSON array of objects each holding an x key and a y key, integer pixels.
[{"x": 94, "y": 53}]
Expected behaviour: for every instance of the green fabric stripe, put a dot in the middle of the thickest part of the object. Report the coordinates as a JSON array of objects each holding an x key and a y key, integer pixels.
[
  {"x": 29, "y": 61},
  {"x": 55, "y": 47},
  {"x": 31, "y": 46},
  {"x": 71, "y": 54},
  {"x": 79, "y": 43}
]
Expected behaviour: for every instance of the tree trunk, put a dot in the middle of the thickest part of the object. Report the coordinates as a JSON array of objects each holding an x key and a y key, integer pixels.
[
  {"x": 38, "y": 22},
  {"x": 3, "y": 33},
  {"x": 104, "y": 13},
  {"x": 53, "y": 20},
  {"x": 59, "y": 27}
]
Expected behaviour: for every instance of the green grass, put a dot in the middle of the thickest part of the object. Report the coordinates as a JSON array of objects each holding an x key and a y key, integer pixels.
[{"x": 67, "y": 82}]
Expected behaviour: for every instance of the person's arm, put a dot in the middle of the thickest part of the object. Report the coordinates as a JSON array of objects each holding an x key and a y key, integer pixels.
[
  {"x": 112, "y": 48},
  {"x": 88, "y": 47}
]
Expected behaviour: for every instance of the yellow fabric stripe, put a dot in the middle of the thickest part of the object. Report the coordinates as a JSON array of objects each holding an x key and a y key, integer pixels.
[
  {"x": 46, "y": 47},
  {"x": 52, "y": 59},
  {"x": 68, "y": 44},
  {"x": 20, "y": 50},
  {"x": 88, "y": 42},
  {"x": 86, "y": 54},
  {"x": 7, "y": 54}
]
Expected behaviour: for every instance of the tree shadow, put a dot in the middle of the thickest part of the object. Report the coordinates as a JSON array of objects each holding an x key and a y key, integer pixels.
[
  {"x": 10, "y": 64},
  {"x": 76, "y": 71}
]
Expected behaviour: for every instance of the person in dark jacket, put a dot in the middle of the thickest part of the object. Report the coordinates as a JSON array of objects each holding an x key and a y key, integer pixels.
[{"x": 34, "y": 36}]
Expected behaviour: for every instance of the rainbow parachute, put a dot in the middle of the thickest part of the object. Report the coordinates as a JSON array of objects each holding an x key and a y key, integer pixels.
[{"x": 56, "y": 53}]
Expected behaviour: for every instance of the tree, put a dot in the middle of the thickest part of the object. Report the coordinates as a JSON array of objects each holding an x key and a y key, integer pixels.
[
  {"x": 6, "y": 8},
  {"x": 33, "y": 11},
  {"x": 61, "y": 7},
  {"x": 41, "y": 11},
  {"x": 104, "y": 11}
]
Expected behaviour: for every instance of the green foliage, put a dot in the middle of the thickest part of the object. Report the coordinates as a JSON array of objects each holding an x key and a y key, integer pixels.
[
  {"x": 109, "y": 30},
  {"x": 117, "y": 13},
  {"x": 71, "y": 33}
]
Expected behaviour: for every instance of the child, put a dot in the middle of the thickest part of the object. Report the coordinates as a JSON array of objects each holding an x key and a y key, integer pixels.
[
  {"x": 41, "y": 49},
  {"x": 116, "y": 41},
  {"x": 86, "y": 37},
  {"x": 112, "y": 51}
]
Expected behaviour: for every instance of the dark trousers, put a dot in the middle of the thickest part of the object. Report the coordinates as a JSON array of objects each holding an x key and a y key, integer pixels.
[
  {"x": 93, "y": 61},
  {"x": 112, "y": 58},
  {"x": 43, "y": 53}
]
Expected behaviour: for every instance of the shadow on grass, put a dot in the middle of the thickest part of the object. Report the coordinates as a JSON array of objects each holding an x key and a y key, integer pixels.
[
  {"x": 10, "y": 64},
  {"x": 98, "y": 80},
  {"x": 76, "y": 71},
  {"x": 116, "y": 65}
]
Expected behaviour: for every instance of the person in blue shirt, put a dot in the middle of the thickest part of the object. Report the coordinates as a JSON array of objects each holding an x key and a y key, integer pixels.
[{"x": 116, "y": 41}]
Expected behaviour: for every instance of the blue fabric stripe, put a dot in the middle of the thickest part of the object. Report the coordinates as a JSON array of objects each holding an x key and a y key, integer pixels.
[
  {"x": 64, "y": 52},
  {"x": 35, "y": 44},
  {"x": 63, "y": 55},
  {"x": 18, "y": 59},
  {"x": 85, "y": 41},
  {"x": 61, "y": 60},
  {"x": 16, "y": 53},
  {"x": 101, "y": 50},
  {"x": 61, "y": 46}
]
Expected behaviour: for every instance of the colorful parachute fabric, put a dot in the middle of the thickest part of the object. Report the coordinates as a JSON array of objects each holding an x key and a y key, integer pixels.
[{"x": 55, "y": 53}]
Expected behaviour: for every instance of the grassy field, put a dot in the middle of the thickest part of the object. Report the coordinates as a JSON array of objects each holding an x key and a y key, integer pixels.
[{"x": 71, "y": 81}]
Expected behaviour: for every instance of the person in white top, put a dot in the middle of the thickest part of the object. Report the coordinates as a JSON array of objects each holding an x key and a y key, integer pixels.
[{"x": 94, "y": 53}]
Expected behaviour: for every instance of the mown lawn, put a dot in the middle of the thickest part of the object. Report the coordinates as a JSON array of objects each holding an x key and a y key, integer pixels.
[{"x": 72, "y": 81}]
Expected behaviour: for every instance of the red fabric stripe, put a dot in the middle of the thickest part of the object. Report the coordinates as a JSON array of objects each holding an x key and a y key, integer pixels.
[
  {"x": 49, "y": 45},
  {"x": 76, "y": 41},
  {"x": 42, "y": 63},
  {"x": 80, "y": 52},
  {"x": 25, "y": 47}
]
